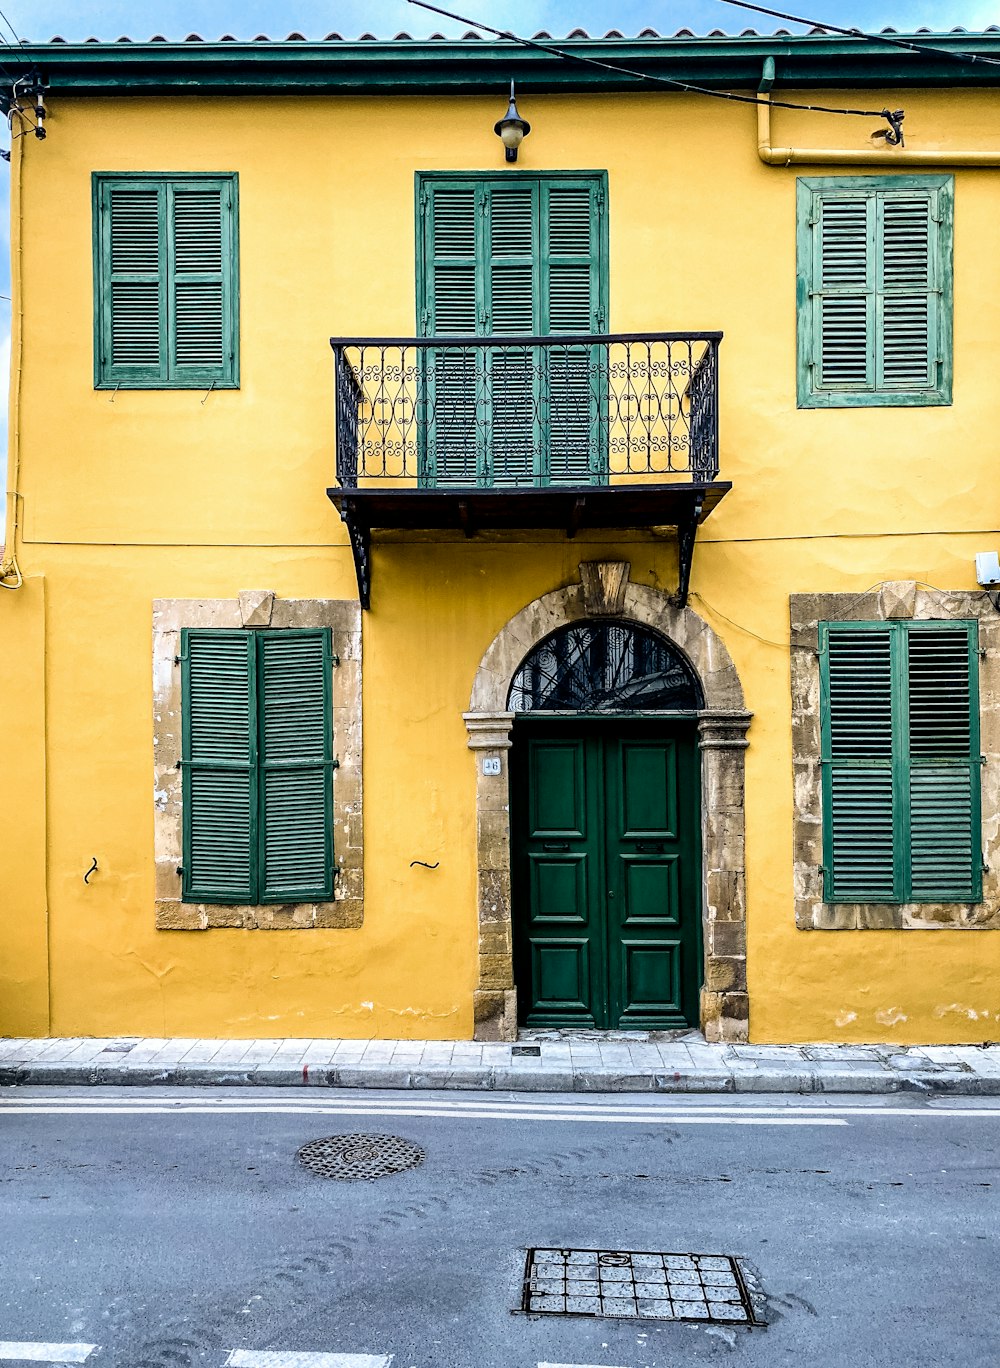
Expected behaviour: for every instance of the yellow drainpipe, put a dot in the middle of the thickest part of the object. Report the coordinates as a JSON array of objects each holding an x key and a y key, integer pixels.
[
  {"x": 10, "y": 574},
  {"x": 828, "y": 156}
]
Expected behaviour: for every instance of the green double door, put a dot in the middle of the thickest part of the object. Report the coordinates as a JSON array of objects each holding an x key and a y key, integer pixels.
[{"x": 606, "y": 868}]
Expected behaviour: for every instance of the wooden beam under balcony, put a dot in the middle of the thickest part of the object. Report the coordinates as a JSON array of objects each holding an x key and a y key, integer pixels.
[{"x": 567, "y": 509}]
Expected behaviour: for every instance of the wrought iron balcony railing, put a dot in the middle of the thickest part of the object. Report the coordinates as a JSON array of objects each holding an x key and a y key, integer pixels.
[{"x": 507, "y": 412}]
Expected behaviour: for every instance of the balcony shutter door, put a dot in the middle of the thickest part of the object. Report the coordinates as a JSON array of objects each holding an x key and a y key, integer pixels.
[
  {"x": 908, "y": 332},
  {"x": 944, "y": 770},
  {"x": 513, "y": 371},
  {"x": 219, "y": 780},
  {"x": 454, "y": 310},
  {"x": 572, "y": 296},
  {"x": 844, "y": 312},
  {"x": 200, "y": 291},
  {"x": 295, "y": 766},
  {"x": 859, "y": 780},
  {"x": 133, "y": 332}
]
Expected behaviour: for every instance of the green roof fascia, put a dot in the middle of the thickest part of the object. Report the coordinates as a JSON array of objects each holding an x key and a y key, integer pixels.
[{"x": 467, "y": 66}]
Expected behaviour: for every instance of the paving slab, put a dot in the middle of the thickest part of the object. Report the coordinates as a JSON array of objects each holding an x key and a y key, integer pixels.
[{"x": 565, "y": 1062}]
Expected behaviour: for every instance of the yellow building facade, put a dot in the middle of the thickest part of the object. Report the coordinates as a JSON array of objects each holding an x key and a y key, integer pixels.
[{"x": 821, "y": 864}]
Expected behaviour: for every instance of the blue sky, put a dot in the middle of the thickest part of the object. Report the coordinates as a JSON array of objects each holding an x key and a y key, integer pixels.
[
  {"x": 384, "y": 18},
  {"x": 78, "y": 19}
]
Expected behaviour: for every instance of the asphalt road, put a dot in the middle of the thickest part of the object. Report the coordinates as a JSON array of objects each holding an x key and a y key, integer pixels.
[{"x": 164, "y": 1228}]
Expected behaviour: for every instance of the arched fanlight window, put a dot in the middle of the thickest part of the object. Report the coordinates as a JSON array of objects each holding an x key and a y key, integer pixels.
[{"x": 605, "y": 667}]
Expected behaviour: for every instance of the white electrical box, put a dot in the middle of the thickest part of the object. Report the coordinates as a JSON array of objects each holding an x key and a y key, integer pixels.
[
  {"x": 491, "y": 764},
  {"x": 987, "y": 567}
]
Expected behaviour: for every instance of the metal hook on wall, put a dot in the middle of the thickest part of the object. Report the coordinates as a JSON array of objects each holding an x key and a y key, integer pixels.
[
  {"x": 91, "y": 870},
  {"x": 424, "y": 864}
]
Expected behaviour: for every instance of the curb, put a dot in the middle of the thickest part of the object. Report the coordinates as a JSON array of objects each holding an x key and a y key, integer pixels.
[{"x": 504, "y": 1079}]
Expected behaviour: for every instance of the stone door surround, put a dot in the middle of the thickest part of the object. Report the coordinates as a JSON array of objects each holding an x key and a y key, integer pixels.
[{"x": 604, "y": 591}]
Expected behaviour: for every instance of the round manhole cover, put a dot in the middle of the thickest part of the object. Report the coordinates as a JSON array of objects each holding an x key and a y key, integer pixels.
[{"x": 355, "y": 1158}]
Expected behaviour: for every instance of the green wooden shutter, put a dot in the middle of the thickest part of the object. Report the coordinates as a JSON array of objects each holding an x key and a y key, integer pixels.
[
  {"x": 514, "y": 443},
  {"x": 218, "y": 765},
  {"x": 572, "y": 304},
  {"x": 165, "y": 282},
  {"x": 860, "y": 784},
  {"x": 874, "y": 290},
  {"x": 132, "y": 305},
  {"x": 296, "y": 793},
  {"x": 453, "y": 307},
  {"x": 901, "y": 790},
  {"x": 845, "y": 301},
  {"x": 945, "y": 861},
  {"x": 199, "y": 274},
  {"x": 908, "y": 334}
]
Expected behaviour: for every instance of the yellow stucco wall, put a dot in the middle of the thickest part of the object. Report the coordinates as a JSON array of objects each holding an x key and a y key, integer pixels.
[{"x": 133, "y": 496}]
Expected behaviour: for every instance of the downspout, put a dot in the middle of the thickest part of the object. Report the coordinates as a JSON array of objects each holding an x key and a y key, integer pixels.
[
  {"x": 889, "y": 156},
  {"x": 10, "y": 573}
]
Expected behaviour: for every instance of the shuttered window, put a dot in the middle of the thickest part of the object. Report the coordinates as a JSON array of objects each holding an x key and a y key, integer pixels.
[
  {"x": 257, "y": 766},
  {"x": 516, "y": 256},
  {"x": 901, "y": 766},
  {"x": 165, "y": 282},
  {"x": 874, "y": 290}
]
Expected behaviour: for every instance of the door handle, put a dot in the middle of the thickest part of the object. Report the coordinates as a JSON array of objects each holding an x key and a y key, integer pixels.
[
  {"x": 555, "y": 845},
  {"x": 652, "y": 847}
]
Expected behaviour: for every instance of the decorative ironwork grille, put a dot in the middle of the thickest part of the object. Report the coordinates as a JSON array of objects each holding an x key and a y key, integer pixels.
[
  {"x": 527, "y": 412},
  {"x": 604, "y": 667}
]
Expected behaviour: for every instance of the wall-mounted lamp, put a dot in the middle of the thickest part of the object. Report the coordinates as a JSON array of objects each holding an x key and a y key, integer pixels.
[{"x": 511, "y": 129}]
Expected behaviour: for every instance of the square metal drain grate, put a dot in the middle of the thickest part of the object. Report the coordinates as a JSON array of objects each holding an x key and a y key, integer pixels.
[{"x": 644, "y": 1286}]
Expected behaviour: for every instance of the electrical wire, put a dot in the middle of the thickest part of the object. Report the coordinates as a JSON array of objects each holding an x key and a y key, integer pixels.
[
  {"x": 643, "y": 75},
  {"x": 964, "y": 57},
  {"x": 844, "y": 613},
  {"x": 17, "y": 37}
]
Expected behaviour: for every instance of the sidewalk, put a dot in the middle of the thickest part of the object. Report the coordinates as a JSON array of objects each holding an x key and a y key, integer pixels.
[{"x": 547, "y": 1062}]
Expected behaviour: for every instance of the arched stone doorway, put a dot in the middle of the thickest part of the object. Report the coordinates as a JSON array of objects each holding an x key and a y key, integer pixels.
[{"x": 604, "y": 592}]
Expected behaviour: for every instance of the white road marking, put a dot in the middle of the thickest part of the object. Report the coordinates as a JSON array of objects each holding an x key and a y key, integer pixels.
[
  {"x": 250, "y": 1358},
  {"x": 31, "y": 1351},
  {"x": 512, "y": 1114}
]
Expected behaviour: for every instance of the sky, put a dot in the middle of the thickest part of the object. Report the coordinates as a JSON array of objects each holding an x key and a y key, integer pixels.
[{"x": 175, "y": 19}]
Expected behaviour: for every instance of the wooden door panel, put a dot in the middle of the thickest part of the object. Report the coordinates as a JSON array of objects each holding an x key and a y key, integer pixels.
[
  {"x": 560, "y": 977},
  {"x": 653, "y": 875},
  {"x": 648, "y": 789},
  {"x": 556, "y": 790},
  {"x": 651, "y": 990},
  {"x": 558, "y": 889},
  {"x": 650, "y": 890}
]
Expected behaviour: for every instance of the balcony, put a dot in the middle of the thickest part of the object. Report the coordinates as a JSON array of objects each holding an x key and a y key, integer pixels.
[{"x": 561, "y": 432}]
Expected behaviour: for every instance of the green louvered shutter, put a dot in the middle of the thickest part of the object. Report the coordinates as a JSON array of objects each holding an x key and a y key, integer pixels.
[
  {"x": 218, "y": 764},
  {"x": 166, "y": 282},
  {"x": 858, "y": 770},
  {"x": 296, "y": 792},
  {"x": 945, "y": 863},
  {"x": 132, "y": 338},
  {"x": 571, "y": 295},
  {"x": 845, "y": 304},
  {"x": 901, "y": 784},
  {"x": 875, "y": 289},
  {"x": 199, "y": 272},
  {"x": 453, "y": 308},
  {"x": 515, "y": 434}
]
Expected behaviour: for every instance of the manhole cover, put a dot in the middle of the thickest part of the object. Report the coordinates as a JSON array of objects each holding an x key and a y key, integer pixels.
[
  {"x": 645, "y": 1286},
  {"x": 355, "y": 1158}
]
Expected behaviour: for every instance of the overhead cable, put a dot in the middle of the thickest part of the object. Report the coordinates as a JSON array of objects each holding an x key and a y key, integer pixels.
[
  {"x": 884, "y": 38},
  {"x": 570, "y": 56}
]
